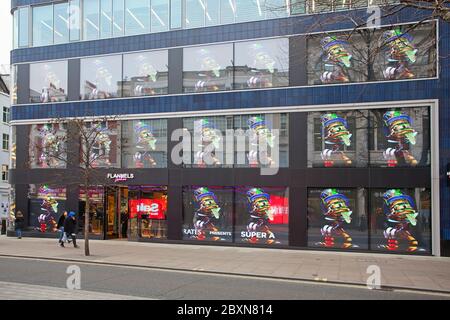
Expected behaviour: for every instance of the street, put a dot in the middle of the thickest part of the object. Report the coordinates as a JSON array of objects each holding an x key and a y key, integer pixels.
[{"x": 18, "y": 275}]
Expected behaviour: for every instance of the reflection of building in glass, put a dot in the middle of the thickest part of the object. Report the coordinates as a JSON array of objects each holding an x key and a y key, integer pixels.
[{"x": 144, "y": 85}]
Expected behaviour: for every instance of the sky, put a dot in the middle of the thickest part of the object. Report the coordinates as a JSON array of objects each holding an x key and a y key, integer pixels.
[{"x": 6, "y": 31}]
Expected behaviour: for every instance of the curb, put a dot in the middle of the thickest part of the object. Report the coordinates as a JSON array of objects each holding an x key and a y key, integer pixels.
[{"x": 268, "y": 277}]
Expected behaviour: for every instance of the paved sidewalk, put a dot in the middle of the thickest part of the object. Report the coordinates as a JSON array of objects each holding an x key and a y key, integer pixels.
[
  {"x": 12, "y": 291},
  {"x": 401, "y": 271}
]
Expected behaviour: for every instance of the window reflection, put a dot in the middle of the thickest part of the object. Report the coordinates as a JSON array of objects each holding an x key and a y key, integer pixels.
[
  {"x": 144, "y": 143},
  {"x": 262, "y": 64},
  {"x": 137, "y": 17},
  {"x": 75, "y": 20},
  {"x": 105, "y": 18},
  {"x": 48, "y": 82},
  {"x": 248, "y": 10},
  {"x": 100, "y": 77},
  {"x": 42, "y": 26},
  {"x": 160, "y": 15},
  {"x": 145, "y": 74},
  {"x": 118, "y": 17},
  {"x": 91, "y": 24},
  {"x": 208, "y": 68},
  {"x": 195, "y": 13},
  {"x": 61, "y": 13},
  {"x": 23, "y": 27}
]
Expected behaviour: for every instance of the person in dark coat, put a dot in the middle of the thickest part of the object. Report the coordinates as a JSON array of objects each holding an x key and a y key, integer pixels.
[
  {"x": 124, "y": 221},
  {"x": 19, "y": 224},
  {"x": 60, "y": 226},
  {"x": 70, "y": 229}
]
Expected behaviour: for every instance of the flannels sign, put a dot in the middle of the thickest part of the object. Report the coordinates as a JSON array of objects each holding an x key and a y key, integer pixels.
[{"x": 120, "y": 177}]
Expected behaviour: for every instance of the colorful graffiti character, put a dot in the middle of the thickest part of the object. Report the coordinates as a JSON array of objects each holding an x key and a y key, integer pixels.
[
  {"x": 335, "y": 207},
  {"x": 400, "y": 53},
  {"x": 335, "y": 134},
  {"x": 147, "y": 74},
  {"x": 102, "y": 146},
  {"x": 260, "y": 215},
  {"x": 401, "y": 214},
  {"x": 50, "y": 146},
  {"x": 259, "y": 134},
  {"x": 336, "y": 59},
  {"x": 146, "y": 143},
  {"x": 399, "y": 132},
  {"x": 208, "y": 211},
  {"x": 208, "y": 140},
  {"x": 263, "y": 63},
  {"x": 49, "y": 208}
]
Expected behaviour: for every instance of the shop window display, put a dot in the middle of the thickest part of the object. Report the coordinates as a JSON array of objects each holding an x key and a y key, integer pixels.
[
  {"x": 208, "y": 213},
  {"x": 338, "y": 139},
  {"x": 262, "y": 215},
  {"x": 105, "y": 144},
  {"x": 47, "y": 145},
  {"x": 400, "y": 137},
  {"x": 401, "y": 220},
  {"x": 144, "y": 143},
  {"x": 337, "y": 218},
  {"x": 46, "y": 205},
  {"x": 394, "y": 53},
  {"x": 96, "y": 208}
]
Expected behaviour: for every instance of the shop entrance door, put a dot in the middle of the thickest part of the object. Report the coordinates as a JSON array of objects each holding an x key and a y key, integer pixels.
[{"x": 116, "y": 213}]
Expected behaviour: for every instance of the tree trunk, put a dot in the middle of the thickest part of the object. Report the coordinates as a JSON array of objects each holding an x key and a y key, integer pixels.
[{"x": 86, "y": 217}]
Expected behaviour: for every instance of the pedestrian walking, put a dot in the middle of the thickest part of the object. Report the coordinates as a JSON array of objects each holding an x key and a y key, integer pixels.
[
  {"x": 19, "y": 224},
  {"x": 70, "y": 229},
  {"x": 60, "y": 227}
]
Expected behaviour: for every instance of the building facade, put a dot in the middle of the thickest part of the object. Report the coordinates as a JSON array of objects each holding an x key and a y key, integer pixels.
[
  {"x": 310, "y": 134},
  {"x": 4, "y": 155}
]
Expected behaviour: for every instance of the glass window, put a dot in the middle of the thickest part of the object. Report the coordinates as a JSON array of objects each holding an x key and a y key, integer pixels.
[
  {"x": 208, "y": 68},
  {"x": 137, "y": 17},
  {"x": 23, "y": 27},
  {"x": 337, "y": 218},
  {"x": 175, "y": 14},
  {"x": 75, "y": 20},
  {"x": 145, "y": 74},
  {"x": 5, "y": 142},
  {"x": 160, "y": 15},
  {"x": 101, "y": 77},
  {"x": 103, "y": 139},
  {"x": 144, "y": 143},
  {"x": 48, "y": 146},
  {"x": 48, "y": 82},
  {"x": 96, "y": 208},
  {"x": 249, "y": 10},
  {"x": 118, "y": 17},
  {"x": 227, "y": 11},
  {"x": 298, "y": 7},
  {"x": 16, "y": 29},
  {"x": 5, "y": 115},
  {"x": 208, "y": 141},
  {"x": 46, "y": 205},
  {"x": 316, "y": 6},
  {"x": 5, "y": 170},
  {"x": 148, "y": 205},
  {"x": 106, "y": 18},
  {"x": 42, "y": 25},
  {"x": 13, "y": 91},
  {"x": 276, "y": 8},
  {"x": 262, "y": 215},
  {"x": 338, "y": 139},
  {"x": 400, "y": 220},
  {"x": 91, "y": 23},
  {"x": 195, "y": 13},
  {"x": 61, "y": 23},
  {"x": 208, "y": 213},
  {"x": 212, "y": 12},
  {"x": 265, "y": 143},
  {"x": 13, "y": 150},
  {"x": 262, "y": 64},
  {"x": 400, "y": 137}
]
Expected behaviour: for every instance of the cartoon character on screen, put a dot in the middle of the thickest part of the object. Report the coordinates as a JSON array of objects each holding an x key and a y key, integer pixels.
[
  {"x": 335, "y": 135},
  {"x": 335, "y": 208},
  {"x": 400, "y": 134},
  {"x": 50, "y": 146},
  {"x": 400, "y": 53},
  {"x": 401, "y": 215},
  {"x": 211, "y": 73},
  {"x": 102, "y": 145},
  {"x": 145, "y": 143},
  {"x": 207, "y": 213},
  {"x": 46, "y": 219},
  {"x": 259, "y": 135},
  {"x": 147, "y": 74},
  {"x": 260, "y": 215},
  {"x": 336, "y": 59},
  {"x": 264, "y": 64},
  {"x": 208, "y": 141}
]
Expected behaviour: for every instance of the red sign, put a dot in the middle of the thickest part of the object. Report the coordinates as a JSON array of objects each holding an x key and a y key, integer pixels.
[
  {"x": 148, "y": 208},
  {"x": 280, "y": 209}
]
